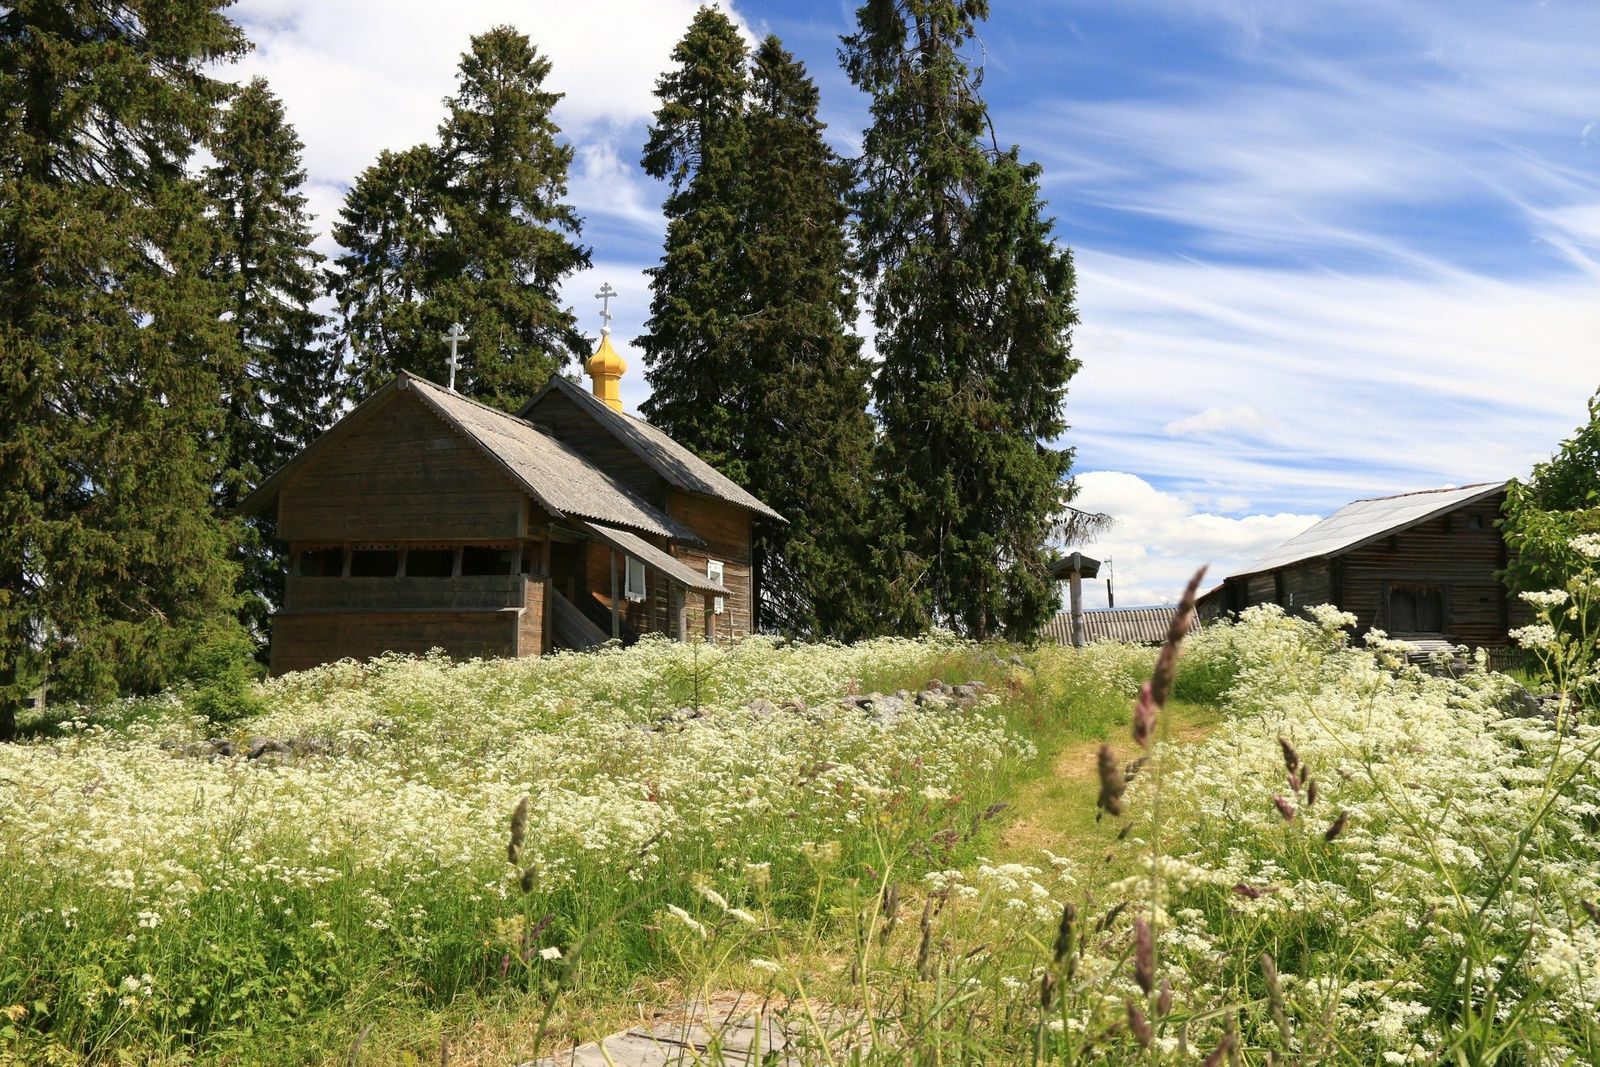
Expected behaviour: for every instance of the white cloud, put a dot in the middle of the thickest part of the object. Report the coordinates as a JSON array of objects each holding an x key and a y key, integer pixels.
[
  {"x": 1216, "y": 420},
  {"x": 1160, "y": 538}
]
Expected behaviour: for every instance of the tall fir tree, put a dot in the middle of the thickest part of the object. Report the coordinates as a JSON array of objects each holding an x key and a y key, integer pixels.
[
  {"x": 382, "y": 282},
  {"x": 973, "y": 304},
  {"x": 282, "y": 397},
  {"x": 475, "y": 230},
  {"x": 698, "y": 144},
  {"x": 509, "y": 238},
  {"x": 112, "y": 357},
  {"x": 804, "y": 434}
]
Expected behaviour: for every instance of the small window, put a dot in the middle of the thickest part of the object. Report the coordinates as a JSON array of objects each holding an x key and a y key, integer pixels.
[
  {"x": 429, "y": 562},
  {"x": 374, "y": 563},
  {"x": 714, "y": 572},
  {"x": 479, "y": 560},
  {"x": 1474, "y": 522},
  {"x": 321, "y": 562},
  {"x": 635, "y": 586},
  {"x": 1416, "y": 609}
]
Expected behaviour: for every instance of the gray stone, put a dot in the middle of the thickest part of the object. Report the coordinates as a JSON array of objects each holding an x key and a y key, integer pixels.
[{"x": 261, "y": 747}]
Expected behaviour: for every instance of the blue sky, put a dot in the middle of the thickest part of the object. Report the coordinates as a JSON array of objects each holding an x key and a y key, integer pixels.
[{"x": 1325, "y": 250}]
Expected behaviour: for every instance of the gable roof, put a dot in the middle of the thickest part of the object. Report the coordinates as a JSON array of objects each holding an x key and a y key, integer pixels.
[
  {"x": 552, "y": 472},
  {"x": 679, "y": 466},
  {"x": 1361, "y": 522}
]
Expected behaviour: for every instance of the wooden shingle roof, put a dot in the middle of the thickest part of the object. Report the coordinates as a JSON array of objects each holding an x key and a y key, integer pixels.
[
  {"x": 679, "y": 466},
  {"x": 550, "y": 471}
]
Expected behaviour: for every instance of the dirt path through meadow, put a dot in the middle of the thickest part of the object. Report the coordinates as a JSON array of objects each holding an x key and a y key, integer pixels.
[{"x": 1056, "y": 811}]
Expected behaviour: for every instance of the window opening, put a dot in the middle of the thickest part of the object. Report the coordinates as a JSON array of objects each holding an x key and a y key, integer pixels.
[
  {"x": 430, "y": 562},
  {"x": 635, "y": 584}
]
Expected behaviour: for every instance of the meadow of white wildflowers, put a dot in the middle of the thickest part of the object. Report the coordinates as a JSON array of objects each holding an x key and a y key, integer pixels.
[
  {"x": 157, "y": 895},
  {"x": 1365, "y": 863}
]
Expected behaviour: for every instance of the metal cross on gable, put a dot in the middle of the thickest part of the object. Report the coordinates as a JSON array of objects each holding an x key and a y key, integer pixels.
[
  {"x": 455, "y": 337},
  {"x": 604, "y": 296}
]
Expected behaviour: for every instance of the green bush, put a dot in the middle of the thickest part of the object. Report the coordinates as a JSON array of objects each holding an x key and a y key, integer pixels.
[{"x": 220, "y": 674}]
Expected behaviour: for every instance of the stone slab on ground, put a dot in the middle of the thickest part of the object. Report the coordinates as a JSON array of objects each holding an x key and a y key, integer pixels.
[{"x": 732, "y": 1030}]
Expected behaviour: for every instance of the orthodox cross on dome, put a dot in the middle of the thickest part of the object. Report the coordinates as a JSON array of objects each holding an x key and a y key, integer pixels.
[
  {"x": 455, "y": 337},
  {"x": 604, "y": 296}
]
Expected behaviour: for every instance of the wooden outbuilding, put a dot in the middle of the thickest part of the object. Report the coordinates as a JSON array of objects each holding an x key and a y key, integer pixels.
[
  {"x": 1418, "y": 566},
  {"x": 424, "y": 519}
]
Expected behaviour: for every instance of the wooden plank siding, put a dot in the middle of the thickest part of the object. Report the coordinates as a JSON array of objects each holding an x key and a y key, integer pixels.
[
  {"x": 726, "y": 529},
  {"x": 401, "y": 474},
  {"x": 306, "y": 640},
  {"x": 471, "y": 593}
]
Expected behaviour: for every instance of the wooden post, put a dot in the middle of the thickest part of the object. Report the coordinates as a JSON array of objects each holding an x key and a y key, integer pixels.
[
  {"x": 1076, "y": 584},
  {"x": 680, "y": 599},
  {"x": 616, "y": 608},
  {"x": 711, "y": 617}
]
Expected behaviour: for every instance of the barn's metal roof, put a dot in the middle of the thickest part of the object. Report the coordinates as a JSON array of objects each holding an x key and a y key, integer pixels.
[
  {"x": 1135, "y": 626},
  {"x": 1364, "y": 521},
  {"x": 674, "y": 462}
]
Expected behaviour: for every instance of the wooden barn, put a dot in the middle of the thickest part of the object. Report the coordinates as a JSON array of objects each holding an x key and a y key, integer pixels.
[
  {"x": 424, "y": 519},
  {"x": 1419, "y": 566}
]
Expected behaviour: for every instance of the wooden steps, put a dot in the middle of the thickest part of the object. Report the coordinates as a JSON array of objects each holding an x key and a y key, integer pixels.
[{"x": 571, "y": 627}]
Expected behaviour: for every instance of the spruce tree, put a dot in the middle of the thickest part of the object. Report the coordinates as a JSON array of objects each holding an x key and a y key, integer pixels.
[
  {"x": 804, "y": 434},
  {"x": 113, "y": 560},
  {"x": 973, "y": 306},
  {"x": 282, "y": 397},
  {"x": 509, "y": 240},
  {"x": 474, "y": 231},
  {"x": 698, "y": 145},
  {"x": 382, "y": 281}
]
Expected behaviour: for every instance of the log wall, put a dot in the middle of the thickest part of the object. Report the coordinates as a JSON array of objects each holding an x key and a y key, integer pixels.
[
  {"x": 307, "y": 640},
  {"x": 1460, "y": 552},
  {"x": 400, "y": 474},
  {"x": 726, "y": 529}
]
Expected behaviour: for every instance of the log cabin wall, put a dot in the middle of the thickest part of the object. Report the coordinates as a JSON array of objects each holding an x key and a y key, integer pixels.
[
  {"x": 650, "y": 615},
  {"x": 307, "y": 640},
  {"x": 401, "y": 479},
  {"x": 400, "y": 474},
  {"x": 726, "y": 529},
  {"x": 1459, "y": 553},
  {"x": 1305, "y": 585}
]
